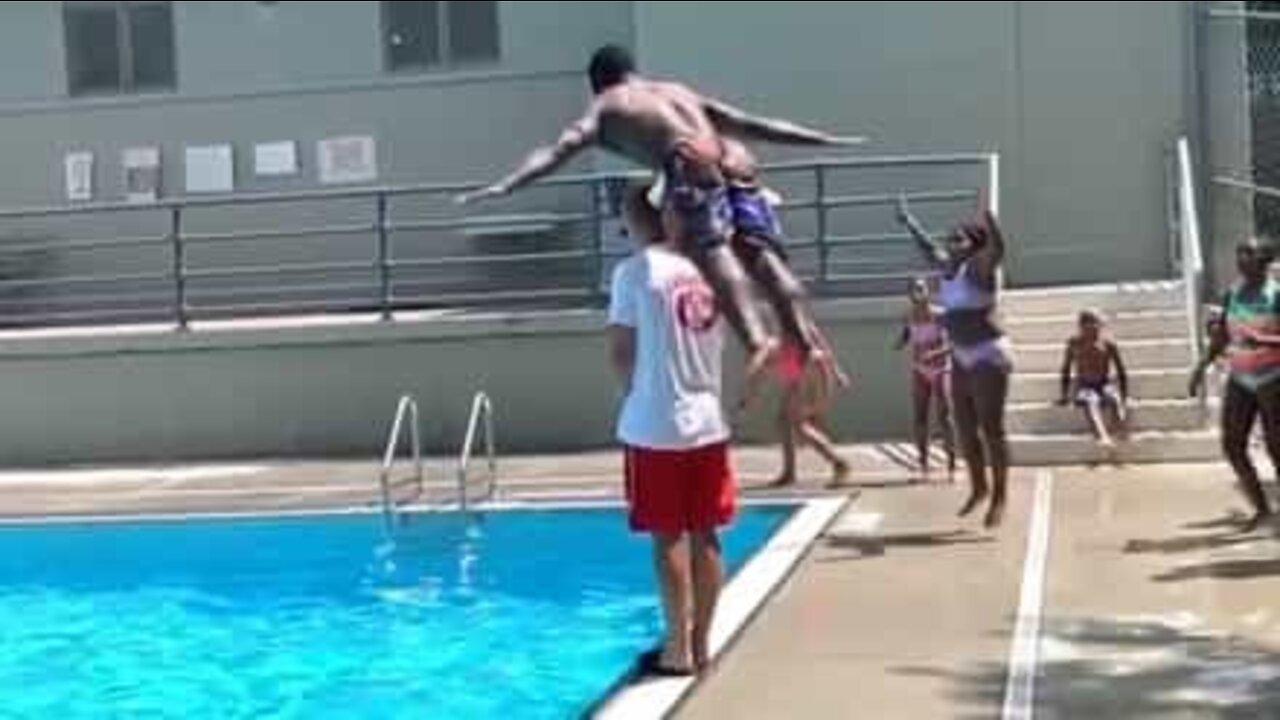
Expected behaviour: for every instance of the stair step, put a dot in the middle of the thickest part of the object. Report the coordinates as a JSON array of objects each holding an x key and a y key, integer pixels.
[
  {"x": 1035, "y": 358},
  {"x": 1108, "y": 298},
  {"x": 1145, "y": 447},
  {"x": 1143, "y": 385},
  {"x": 1152, "y": 415},
  {"x": 1124, "y": 326}
]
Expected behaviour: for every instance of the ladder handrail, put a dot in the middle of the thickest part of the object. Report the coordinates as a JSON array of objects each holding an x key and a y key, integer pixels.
[
  {"x": 407, "y": 405},
  {"x": 1191, "y": 254},
  {"x": 481, "y": 406}
]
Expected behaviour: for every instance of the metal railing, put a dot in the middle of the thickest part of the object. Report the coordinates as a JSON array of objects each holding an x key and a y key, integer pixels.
[
  {"x": 481, "y": 410},
  {"x": 378, "y": 250},
  {"x": 1190, "y": 258},
  {"x": 406, "y": 407}
]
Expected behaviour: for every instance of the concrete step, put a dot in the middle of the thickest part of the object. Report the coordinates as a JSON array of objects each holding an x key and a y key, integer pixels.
[
  {"x": 1143, "y": 385},
  {"x": 1046, "y": 357},
  {"x": 1144, "y": 416},
  {"x": 1123, "y": 326},
  {"x": 1109, "y": 298},
  {"x": 1145, "y": 447}
]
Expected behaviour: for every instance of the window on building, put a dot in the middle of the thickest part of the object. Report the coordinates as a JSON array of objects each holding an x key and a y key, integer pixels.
[
  {"x": 422, "y": 35},
  {"x": 118, "y": 47}
]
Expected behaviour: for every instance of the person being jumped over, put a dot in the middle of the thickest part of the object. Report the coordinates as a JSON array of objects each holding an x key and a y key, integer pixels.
[
  {"x": 1086, "y": 380},
  {"x": 678, "y": 133}
]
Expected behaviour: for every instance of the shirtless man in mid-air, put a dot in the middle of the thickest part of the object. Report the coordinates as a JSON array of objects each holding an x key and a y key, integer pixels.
[{"x": 677, "y": 132}]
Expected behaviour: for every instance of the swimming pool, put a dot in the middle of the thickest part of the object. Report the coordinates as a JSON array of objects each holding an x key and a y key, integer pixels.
[{"x": 517, "y": 614}]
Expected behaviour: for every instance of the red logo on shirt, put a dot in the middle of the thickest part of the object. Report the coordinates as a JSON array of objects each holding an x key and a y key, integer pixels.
[{"x": 695, "y": 305}]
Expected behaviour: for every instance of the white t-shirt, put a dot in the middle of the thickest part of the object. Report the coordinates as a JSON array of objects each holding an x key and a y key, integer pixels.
[{"x": 674, "y": 402}]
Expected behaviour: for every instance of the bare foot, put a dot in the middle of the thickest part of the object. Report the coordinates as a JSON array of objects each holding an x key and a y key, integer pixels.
[
  {"x": 995, "y": 515},
  {"x": 975, "y": 498},
  {"x": 1254, "y": 522},
  {"x": 783, "y": 480},
  {"x": 840, "y": 475}
]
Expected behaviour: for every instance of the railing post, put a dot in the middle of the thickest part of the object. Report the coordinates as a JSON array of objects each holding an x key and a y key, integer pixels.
[
  {"x": 179, "y": 268},
  {"x": 490, "y": 447},
  {"x": 384, "y": 257},
  {"x": 820, "y": 205},
  {"x": 993, "y": 204},
  {"x": 596, "y": 278},
  {"x": 417, "y": 448}
]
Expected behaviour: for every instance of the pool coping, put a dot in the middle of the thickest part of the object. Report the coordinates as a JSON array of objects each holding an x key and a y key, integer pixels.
[{"x": 743, "y": 597}]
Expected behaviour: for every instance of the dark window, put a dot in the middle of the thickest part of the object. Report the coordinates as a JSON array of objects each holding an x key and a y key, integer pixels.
[
  {"x": 118, "y": 47},
  {"x": 440, "y": 34}
]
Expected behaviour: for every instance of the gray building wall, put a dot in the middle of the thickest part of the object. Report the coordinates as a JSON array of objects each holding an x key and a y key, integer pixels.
[
  {"x": 1081, "y": 99},
  {"x": 250, "y": 72}
]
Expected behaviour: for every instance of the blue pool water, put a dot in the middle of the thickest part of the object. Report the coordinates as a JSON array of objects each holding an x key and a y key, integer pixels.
[{"x": 522, "y": 614}]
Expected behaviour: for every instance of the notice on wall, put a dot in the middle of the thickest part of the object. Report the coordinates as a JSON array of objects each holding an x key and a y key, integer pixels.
[
  {"x": 348, "y": 159},
  {"x": 209, "y": 169},
  {"x": 78, "y": 167},
  {"x": 141, "y": 174},
  {"x": 275, "y": 159}
]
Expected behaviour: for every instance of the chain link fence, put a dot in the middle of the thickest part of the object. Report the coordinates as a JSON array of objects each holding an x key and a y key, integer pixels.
[{"x": 1238, "y": 61}]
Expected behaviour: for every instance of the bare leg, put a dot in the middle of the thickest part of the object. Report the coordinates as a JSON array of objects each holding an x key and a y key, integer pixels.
[
  {"x": 724, "y": 273},
  {"x": 921, "y": 397},
  {"x": 708, "y": 577},
  {"x": 1117, "y": 422},
  {"x": 948, "y": 430},
  {"x": 964, "y": 407},
  {"x": 1239, "y": 410},
  {"x": 675, "y": 582},
  {"x": 992, "y": 386},
  {"x": 1269, "y": 409},
  {"x": 787, "y": 437},
  {"x": 821, "y": 443},
  {"x": 786, "y": 295},
  {"x": 1097, "y": 424}
]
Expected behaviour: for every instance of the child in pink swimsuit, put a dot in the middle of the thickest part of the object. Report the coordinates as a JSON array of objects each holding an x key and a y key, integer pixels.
[{"x": 925, "y": 338}]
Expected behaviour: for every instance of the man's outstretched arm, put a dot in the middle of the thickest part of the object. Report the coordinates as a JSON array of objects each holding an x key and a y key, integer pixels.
[
  {"x": 541, "y": 161},
  {"x": 740, "y": 123}
]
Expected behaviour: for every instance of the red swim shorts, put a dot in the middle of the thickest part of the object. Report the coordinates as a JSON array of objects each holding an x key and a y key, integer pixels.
[{"x": 676, "y": 491}]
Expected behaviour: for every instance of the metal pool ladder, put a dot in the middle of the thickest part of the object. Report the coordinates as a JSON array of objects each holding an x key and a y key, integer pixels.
[
  {"x": 406, "y": 406},
  {"x": 481, "y": 409}
]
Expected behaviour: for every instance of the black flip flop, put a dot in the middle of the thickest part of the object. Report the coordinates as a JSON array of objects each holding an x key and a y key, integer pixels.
[{"x": 649, "y": 664}]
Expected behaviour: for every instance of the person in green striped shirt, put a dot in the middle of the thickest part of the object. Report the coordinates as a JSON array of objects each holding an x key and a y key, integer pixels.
[{"x": 1247, "y": 331}]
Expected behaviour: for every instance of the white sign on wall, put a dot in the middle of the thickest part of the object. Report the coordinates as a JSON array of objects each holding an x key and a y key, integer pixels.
[
  {"x": 141, "y": 174},
  {"x": 274, "y": 159},
  {"x": 210, "y": 169},
  {"x": 348, "y": 159},
  {"x": 78, "y": 168}
]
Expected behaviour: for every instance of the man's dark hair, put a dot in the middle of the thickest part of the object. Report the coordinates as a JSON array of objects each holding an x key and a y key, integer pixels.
[{"x": 609, "y": 66}]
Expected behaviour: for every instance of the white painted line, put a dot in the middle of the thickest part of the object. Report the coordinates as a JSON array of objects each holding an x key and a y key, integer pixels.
[
  {"x": 1024, "y": 652},
  {"x": 740, "y": 600}
]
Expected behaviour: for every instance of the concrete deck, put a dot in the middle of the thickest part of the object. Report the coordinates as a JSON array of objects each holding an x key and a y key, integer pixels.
[
  {"x": 298, "y": 485},
  {"x": 1153, "y": 607}
]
